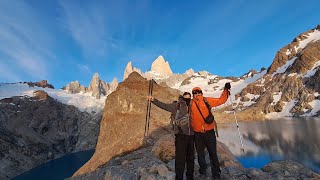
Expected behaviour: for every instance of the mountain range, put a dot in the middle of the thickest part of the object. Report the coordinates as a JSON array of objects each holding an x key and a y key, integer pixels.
[{"x": 289, "y": 87}]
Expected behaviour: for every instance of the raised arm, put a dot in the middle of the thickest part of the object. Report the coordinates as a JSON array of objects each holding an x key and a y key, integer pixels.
[
  {"x": 222, "y": 99},
  {"x": 168, "y": 107}
]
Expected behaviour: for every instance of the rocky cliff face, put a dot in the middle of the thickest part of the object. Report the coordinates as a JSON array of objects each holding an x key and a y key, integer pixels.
[
  {"x": 290, "y": 86},
  {"x": 123, "y": 122},
  {"x": 113, "y": 85},
  {"x": 36, "y": 129},
  {"x": 97, "y": 87},
  {"x": 161, "y": 67},
  {"x": 161, "y": 73},
  {"x": 75, "y": 87},
  {"x": 129, "y": 69},
  {"x": 42, "y": 83}
]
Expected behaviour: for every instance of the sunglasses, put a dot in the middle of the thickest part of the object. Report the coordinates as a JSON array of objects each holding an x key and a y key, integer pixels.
[{"x": 197, "y": 92}]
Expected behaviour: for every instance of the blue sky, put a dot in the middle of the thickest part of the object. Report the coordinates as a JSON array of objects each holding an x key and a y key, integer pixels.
[{"x": 63, "y": 41}]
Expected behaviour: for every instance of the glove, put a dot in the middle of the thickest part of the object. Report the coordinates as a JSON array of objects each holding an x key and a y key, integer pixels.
[{"x": 227, "y": 86}]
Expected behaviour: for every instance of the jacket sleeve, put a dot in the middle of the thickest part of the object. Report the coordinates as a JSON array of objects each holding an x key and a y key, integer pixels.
[
  {"x": 168, "y": 107},
  {"x": 218, "y": 101}
]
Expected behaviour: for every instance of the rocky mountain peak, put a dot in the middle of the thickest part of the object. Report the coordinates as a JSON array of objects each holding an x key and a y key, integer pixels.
[
  {"x": 113, "y": 85},
  {"x": 294, "y": 49},
  {"x": 94, "y": 81},
  {"x": 97, "y": 87},
  {"x": 75, "y": 87},
  {"x": 189, "y": 72},
  {"x": 162, "y": 67},
  {"x": 128, "y": 70}
]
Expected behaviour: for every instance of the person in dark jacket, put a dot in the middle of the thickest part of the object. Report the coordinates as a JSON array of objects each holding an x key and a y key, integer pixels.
[{"x": 184, "y": 143}]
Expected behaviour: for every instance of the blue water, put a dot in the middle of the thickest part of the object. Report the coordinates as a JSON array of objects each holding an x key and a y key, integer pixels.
[
  {"x": 57, "y": 169},
  {"x": 295, "y": 139},
  {"x": 259, "y": 160}
]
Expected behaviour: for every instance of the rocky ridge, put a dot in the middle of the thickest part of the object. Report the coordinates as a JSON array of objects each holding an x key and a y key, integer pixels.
[
  {"x": 289, "y": 87},
  {"x": 160, "y": 72},
  {"x": 36, "y": 129},
  {"x": 290, "y": 81},
  {"x": 97, "y": 87},
  {"x": 42, "y": 83}
]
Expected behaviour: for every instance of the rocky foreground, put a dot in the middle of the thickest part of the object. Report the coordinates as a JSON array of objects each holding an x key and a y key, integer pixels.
[{"x": 156, "y": 162}]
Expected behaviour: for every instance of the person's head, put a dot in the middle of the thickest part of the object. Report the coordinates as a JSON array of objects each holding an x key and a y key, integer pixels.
[
  {"x": 186, "y": 97},
  {"x": 196, "y": 91}
]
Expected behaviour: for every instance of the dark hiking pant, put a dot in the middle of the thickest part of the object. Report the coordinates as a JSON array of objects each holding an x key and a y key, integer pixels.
[
  {"x": 184, "y": 154},
  {"x": 207, "y": 140}
]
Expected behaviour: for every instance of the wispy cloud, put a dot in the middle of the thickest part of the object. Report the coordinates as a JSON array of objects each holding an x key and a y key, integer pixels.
[
  {"x": 87, "y": 25},
  {"x": 25, "y": 43},
  {"x": 84, "y": 68}
]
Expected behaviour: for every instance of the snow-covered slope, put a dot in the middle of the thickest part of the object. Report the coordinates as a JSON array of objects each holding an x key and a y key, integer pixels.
[
  {"x": 84, "y": 102},
  {"x": 212, "y": 85}
]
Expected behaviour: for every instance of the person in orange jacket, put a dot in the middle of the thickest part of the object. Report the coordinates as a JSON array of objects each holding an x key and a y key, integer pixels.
[{"x": 204, "y": 132}]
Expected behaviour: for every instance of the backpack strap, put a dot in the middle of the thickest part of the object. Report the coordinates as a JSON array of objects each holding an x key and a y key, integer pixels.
[
  {"x": 177, "y": 111},
  {"x": 200, "y": 111},
  {"x": 209, "y": 108},
  {"x": 207, "y": 104}
]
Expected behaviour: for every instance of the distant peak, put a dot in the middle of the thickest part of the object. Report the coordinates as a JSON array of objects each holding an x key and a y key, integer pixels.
[
  {"x": 161, "y": 66},
  {"x": 96, "y": 75},
  {"x": 128, "y": 70},
  {"x": 189, "y": 72}
]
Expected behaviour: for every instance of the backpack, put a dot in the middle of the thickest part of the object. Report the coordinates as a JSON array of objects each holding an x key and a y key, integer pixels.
[{"x": 173, "y": 117}]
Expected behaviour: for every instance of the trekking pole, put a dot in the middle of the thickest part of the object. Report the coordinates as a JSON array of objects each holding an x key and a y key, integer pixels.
[
  {"x": 147, "y": 123},
  {"x": 235, "y": 117}
]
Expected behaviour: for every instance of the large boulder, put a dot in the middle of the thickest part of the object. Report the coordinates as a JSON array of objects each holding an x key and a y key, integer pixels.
[
  {"x": 289, "y": 170},
  {"x": 41, "y": 95},
  {"x": 123, "y": 124},
  {"x": 164, "y": 148}
]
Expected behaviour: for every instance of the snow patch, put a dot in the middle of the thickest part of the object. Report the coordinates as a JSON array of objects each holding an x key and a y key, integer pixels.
[
  {"x": 248, "y": 103},
  {"x": 215, "y": 89},
  {"x": 252, "y": 96},
  {"x": 288, "y": 52},
  {"x": 313, "y": 36},
  {"x": 285, "y": 112},
  {"x": 293, "y": 74},
  {"x": 313, "y": 70},
  {"x": 84, "y": 102},
  {"x": 283, "y": 68},
  {"x": 276, "y": 98},
  {"x": 315, "y": 104}
]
